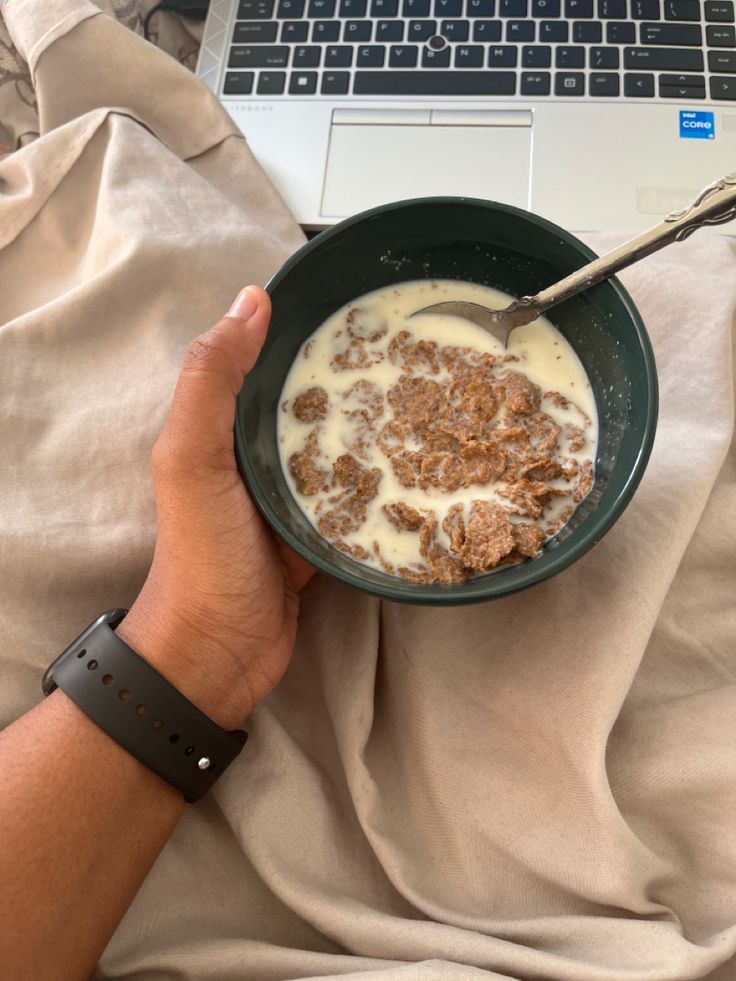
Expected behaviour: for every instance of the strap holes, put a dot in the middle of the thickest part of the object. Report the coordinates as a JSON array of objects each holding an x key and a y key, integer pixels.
[
  {"x": 140, "y": 710},
  {"x": 189, "y": 750},
  {"x": 174, "y": 737},
  {"x": 123, "y": 694},
  {"x": 82, "y": 652},
  {"x": 92, "y": 665},
  {"x": 158, "y": 725},
  {"x": 107, "y": 679}
]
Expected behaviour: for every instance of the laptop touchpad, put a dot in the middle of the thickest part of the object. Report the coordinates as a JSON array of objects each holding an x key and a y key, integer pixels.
[{"x": 475, "y": 154}]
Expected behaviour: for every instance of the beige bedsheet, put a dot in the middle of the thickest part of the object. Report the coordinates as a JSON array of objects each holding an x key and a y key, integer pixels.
[
  {"x": 541, "y": 788},
  {"x": 176, "y": 35}
]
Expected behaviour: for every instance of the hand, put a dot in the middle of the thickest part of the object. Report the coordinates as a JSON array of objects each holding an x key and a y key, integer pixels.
[{"x": 217, "y": 614}]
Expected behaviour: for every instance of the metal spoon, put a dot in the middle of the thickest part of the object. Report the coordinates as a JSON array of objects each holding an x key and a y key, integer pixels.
[{"x": 715, "y": 205}]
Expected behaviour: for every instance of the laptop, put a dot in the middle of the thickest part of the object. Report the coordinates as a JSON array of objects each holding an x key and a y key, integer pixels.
[{"x": 596, "y": 114}]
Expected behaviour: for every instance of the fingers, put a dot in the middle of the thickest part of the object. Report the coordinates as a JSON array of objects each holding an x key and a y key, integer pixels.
[{"x": 199, "y": 429}]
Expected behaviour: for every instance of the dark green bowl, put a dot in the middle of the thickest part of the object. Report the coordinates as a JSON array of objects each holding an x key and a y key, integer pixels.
[{"x": 480, "y": 242}]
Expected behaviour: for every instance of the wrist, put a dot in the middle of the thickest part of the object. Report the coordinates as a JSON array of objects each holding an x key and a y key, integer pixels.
[{"x": 209, "y": 677}]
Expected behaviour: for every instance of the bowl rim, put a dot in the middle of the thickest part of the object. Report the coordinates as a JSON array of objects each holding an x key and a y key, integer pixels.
[{"x": 595, "y": 527}]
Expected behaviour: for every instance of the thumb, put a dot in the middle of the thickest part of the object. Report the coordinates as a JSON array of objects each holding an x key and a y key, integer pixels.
[{"x": 202, "y": 414}]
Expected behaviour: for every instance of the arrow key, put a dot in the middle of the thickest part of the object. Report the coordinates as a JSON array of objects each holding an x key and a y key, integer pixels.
[
  {"x": 680, "y": 92},
  {"x": 722, "y": 88},
  {"x": 638, "y": 86},
  {"x": 689, "y": 81}
]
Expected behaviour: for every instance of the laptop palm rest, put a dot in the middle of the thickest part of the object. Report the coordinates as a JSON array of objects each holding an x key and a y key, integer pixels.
[{"x": 376, "y": 156}]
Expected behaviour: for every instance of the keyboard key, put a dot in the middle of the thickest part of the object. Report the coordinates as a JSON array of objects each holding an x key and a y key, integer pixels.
[
  {"x": 645, "y": 9},
  {"x": 434, "y": 83},
  {"x": 403, "y": 56},
  {"x": 390, "y": 30},
  {"x": 259, "y": 56},
  {"x": 307, "y": 57},
  {"x": 238, "y": 83},
  {"x": 587, "y": 32},
  {"x": 338, "y": 56},
  {"x": 569, "y": 83},
  {"x": 620, "y": 33},
  {"x": 545, "y": 8},
  {"x": 487, "y": 30},
  {"x": 569, "y": 57},
  {"x": 354, "y": 9},
  {"x": 255, "y": 10},
  {"x": 535, "y": 83},
  {"x": 721, "y": 37},
  {"x": 719, "y": 10},
  {"x": 469, "y": 56},
  {"x": 324, "y": 31},
  {"x": 421, "y": 30},
  {"x": 371, "y": 56},
  {"x": 538, "y": 56},
  {"x": 681, "y": 92},
  {"x": 639, "y": 86},
  {"x": 683, "y": 81},
  {"x": 335, "y": 83},
  {"x": 384, "y": 8},
  {"x": 415, "y": 8},
  {"x": 512, "y": 8},
  {"x": 321, "y": 8},
  {"x": 722, "y": 88},
  {"x": 604, "y": 58},
  {"x": 575, "y": 9},
  {"x": 436, "y": 59},
  {"x": 302, "y": 83},
  {"x": 664, "y": 59},
  {"x": 682, "y": 10},
  {"x": 519, "y": 30},
  {"x": 357, "y": 30},
  {"x": 553, "y": 30},
  {"x": 294, "y": 31},
  {"x": 271, "y": 83},
  {"x": 290, "y": 9},
  {"x": 448, "y": 8},
  {"x": 612, "y": 9},
  {"x": 255, "y": 32},
  {"x": 722, "y": 62},
  {"x": 502, "y": 57},
  {"x": 480, "y": 8},
  {"x": 603, "y": 83},
  {"x": 672, "y": 34},
  {"x": 455, "y": 30}
]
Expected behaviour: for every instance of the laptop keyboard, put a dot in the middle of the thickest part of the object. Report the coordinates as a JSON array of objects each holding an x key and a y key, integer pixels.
[{"x": 637, "y": 49}]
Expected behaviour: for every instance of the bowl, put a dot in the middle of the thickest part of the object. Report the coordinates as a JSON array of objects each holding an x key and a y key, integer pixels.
[{"x": 481, "y": 242}]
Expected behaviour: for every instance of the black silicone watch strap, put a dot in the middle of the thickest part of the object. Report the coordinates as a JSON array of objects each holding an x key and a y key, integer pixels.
[{"x": 128, "y": 699}]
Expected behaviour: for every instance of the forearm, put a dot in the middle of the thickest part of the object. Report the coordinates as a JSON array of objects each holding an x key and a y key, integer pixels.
[
  {"x": 82, "y": 820},
  {"x": 82, "y": 823}
]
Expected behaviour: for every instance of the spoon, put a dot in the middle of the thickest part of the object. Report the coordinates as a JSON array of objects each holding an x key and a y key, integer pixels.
[{"x": 715, "y": 205}]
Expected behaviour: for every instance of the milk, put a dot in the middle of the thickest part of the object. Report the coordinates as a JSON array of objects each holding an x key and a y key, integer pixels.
[{"x": 544, "y": 356}]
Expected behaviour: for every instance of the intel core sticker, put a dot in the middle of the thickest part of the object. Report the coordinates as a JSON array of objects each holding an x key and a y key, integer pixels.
[{"x": 697, "y": 125}]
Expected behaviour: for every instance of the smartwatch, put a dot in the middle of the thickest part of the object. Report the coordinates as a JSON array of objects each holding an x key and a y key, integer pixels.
[{"x": 129, "y": 700}]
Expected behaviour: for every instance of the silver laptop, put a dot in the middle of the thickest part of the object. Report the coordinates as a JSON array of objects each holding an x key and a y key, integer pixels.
[{"x": 594, "y": 113}]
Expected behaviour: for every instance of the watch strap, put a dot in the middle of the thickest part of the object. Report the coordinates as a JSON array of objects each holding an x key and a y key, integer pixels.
[{"x": 127, "y": 698}]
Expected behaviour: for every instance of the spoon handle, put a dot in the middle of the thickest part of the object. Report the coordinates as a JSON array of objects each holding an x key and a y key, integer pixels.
[{"x": 715, "y": 205}]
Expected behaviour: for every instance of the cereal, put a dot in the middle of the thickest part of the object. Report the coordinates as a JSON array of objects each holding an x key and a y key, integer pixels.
[
  {"x": 310, "y": 406},
  {"x": 435, "y": 455}
]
